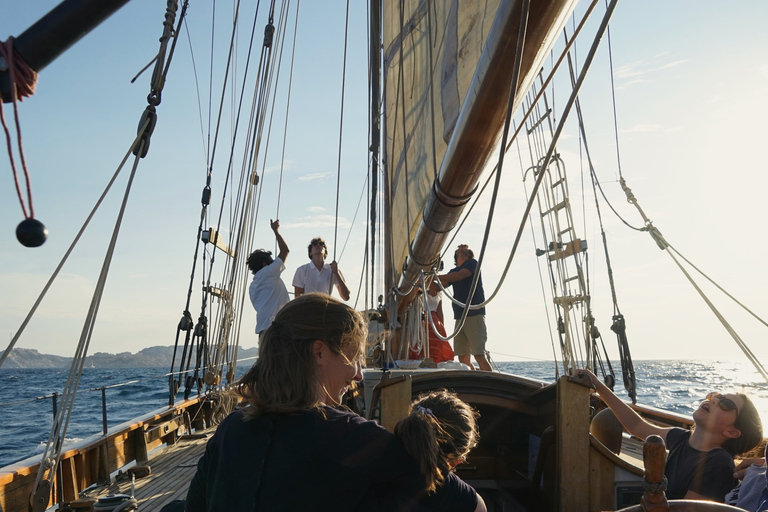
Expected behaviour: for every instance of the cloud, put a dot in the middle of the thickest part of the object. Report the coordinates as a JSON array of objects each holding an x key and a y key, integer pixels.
[
  {"x": 287, "y": 164},
  {"x": 316, "y": 209},
  {"x": 643, "y": 71},
  {"x": 314, "y": 176}
]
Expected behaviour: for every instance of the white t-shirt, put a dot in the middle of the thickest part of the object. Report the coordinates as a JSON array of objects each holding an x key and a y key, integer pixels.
[
  {"x": 311, "y": 279},
  {"x": 434, "y": 301},
  {"x": 268, "y": 293}
]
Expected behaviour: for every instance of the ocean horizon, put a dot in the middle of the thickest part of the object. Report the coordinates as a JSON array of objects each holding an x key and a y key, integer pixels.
[{"x": 26, "y": 401}]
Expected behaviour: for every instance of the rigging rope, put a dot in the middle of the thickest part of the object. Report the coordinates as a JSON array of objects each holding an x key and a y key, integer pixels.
[
  {"x": 341, "y": 129},
  {"x": 527, "y": 114},
  {"x": 619, "y": 324},
  {"x": 64, "y": 259},
  {"x": 742, "y": 345},
  {"x": 525, "y": 9},
  {"x": 23, "y": 81},
  {"x": 287, "y": 109},
  {"x": 558, "y": 131},
  {"x": 52, "y": 452}
]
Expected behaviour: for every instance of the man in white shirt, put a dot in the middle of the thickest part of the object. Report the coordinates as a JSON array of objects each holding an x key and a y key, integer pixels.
[
  {"x": 318, "y": 276},
  {"x": 267, "y": 290}
]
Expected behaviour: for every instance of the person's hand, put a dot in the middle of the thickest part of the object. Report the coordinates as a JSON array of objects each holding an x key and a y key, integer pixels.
[
  {"x": 335, "y": 267},
  {"x": 741, "y": 469},
  {"x": 275, "y": 225}
]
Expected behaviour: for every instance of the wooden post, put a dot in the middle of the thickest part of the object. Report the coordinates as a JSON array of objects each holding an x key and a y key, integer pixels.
[
  {"x": 395, "y": 402},
  {"x": 572, "y": 445},
  {"x": 654, "y": 459}
]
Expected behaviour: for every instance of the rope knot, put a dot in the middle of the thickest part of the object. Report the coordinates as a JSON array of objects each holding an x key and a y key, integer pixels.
[
  {"x": 23, "y": 79},
  {"x": 656, "y": 488}
]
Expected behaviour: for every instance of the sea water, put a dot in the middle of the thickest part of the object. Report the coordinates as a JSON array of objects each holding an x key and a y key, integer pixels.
[{"x": 26, "y": 404}]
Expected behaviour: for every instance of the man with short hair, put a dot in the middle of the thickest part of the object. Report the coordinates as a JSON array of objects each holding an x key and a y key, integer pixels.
[
  {"x": 318, "y": 276},
  {"x": 268, "y": 292},
  {"x": 472, "y": 337}
]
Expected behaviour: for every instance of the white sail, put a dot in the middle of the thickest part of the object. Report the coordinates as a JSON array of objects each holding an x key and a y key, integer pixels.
[{"x": 447, "y": 73}]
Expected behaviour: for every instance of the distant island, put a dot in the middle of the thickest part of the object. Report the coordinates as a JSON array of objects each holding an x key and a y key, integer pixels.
[{"x": 151, "y": 357}]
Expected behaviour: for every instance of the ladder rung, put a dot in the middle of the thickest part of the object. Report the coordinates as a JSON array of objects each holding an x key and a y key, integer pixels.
[{"x": 557, "y": 207}]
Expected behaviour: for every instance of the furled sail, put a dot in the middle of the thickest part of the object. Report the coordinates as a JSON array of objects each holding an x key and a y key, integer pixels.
[{"x": 447, "y": 70}]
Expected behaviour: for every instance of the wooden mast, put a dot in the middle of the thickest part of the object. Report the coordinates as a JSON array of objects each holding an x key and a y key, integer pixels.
[{"x": 479, "y": 124}]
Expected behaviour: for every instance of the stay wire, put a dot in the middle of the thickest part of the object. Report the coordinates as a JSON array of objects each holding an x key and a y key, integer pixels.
[
  {"x": 613, "y": 99},
  {"x": 59, "y": 428},
  {"x": 270, "y": 77},
  {"x": 195, "y": 74},
  {"x": 739, "y": 341},
  {"x": 287, "y": 109},
  {"x": 72, "y": 246},
  {"x": 341, "y": 131}
]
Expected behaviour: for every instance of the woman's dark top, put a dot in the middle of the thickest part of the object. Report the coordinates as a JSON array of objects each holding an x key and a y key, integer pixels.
[
  {"x": 706, "y": 473},
  {"x": 304, "y": 461},
  {"x": 453, "y": 496}
]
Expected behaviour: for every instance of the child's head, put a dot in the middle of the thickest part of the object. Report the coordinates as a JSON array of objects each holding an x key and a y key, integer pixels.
[
  {"x": 438, "y": 433},
  {"x": 751, "y": 427}
]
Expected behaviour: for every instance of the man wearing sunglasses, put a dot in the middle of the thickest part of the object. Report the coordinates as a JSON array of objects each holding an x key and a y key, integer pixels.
[
  {"x": 700, "y": 462},
  {"x": 317, "y": 275}
]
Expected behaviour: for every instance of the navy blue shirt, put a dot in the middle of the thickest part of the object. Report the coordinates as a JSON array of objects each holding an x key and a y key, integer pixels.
[
  {"x": 328, "y": 460},
  {"x": 461, "y": 290},
  {"x": 688, "y": 469}
]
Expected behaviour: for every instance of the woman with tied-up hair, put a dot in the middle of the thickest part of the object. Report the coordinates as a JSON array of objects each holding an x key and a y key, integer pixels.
[
  {"x": 439, "y": 432},
  {"x": 293, "y": 448}
]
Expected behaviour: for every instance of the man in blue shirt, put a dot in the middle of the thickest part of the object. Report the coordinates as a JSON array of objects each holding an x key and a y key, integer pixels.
[{"x": 473, "y": 335}]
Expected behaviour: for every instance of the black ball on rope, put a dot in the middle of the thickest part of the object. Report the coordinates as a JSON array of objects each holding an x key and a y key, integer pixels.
[{"x": 31, "y": 233}]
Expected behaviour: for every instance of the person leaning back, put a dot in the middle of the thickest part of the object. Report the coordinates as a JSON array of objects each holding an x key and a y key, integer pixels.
[{"x": 700, "y": 462}]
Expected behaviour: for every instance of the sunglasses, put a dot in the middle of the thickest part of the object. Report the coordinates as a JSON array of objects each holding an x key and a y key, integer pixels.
[
  {"x": 318, "y": 243},
  {"x": 723, "y": 402}
]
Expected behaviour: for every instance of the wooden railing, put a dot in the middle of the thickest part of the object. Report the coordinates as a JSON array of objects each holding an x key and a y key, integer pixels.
[{"x": 92, "y": 460}]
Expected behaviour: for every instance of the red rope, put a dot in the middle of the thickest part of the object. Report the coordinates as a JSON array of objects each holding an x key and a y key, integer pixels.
[{"x": 23, "y": 80}]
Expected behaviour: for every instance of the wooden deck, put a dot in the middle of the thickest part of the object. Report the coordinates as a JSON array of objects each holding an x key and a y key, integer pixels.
[{"x": 172, "y": 468}]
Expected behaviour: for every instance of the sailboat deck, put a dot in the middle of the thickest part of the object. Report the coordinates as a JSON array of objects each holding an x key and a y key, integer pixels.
[{"x": 172, "y": 469}]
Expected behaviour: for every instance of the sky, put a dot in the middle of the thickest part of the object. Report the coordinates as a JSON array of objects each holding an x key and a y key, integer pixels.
[{"x": 691, "y": 93}]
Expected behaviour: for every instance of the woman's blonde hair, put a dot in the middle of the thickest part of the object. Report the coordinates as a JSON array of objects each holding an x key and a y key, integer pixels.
[
  {"x": 285, "y": 378},
  {"x": 439, "y": 430}
]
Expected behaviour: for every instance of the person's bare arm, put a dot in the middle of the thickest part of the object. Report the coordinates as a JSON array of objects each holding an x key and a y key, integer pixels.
[
  {"x": 741, "y": 469},
  {"x": 480, "y": 505},
  {"x": 341, "y": 285},
  {"x": 298, "y": 291},
  {"x": 281, "y": 245},
  {"x": 452, "y": 277},
  {"x": 632, "y": 421}
]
